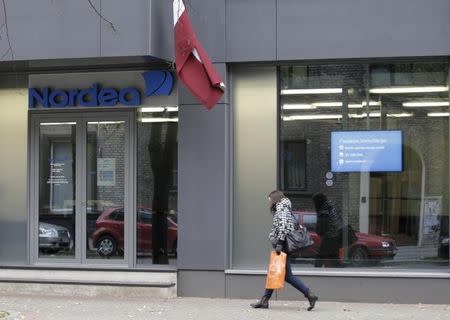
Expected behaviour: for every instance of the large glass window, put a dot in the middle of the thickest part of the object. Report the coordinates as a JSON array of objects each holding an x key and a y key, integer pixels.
[
  {"x": 156, "y": 219},
  {"x": 397, "y": 199}
]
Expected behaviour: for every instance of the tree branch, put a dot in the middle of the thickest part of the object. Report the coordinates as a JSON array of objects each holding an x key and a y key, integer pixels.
[
  {"x": 102, "y": 17},
  {"x": 7, "y": 33},
  {"x": 6, "y": 53},
  {"x": 1, "y": 28}
]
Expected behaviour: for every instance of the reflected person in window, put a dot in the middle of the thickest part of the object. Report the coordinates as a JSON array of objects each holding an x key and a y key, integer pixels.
[
  {"x": 283, "y": 222},
  {"x": 329, "y": 226}
]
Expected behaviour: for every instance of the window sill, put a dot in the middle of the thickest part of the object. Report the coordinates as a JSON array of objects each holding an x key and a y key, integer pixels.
[{"x": 400, "y": 273}]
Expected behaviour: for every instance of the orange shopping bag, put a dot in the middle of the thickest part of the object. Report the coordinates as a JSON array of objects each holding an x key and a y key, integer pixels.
[{"x": 276, "y": 271}]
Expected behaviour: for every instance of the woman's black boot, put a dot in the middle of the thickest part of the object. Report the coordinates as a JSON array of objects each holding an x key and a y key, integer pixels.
[
  {"x": 263, "y": 303},
  {"x": 312, "y": 298}
]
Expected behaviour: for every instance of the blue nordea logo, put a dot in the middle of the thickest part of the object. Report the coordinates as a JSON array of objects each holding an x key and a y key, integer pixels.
[
  {"x": 91, "y": 97},
  {"x": 157, "y": 83}
]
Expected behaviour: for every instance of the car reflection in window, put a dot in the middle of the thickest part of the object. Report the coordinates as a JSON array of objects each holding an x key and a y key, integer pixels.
[
  {"x": 368, "y": 249},
  {"x": 108, "y": 236},
  {"x": 310, "y": 221},
  {"x": 53, "y": 238}
]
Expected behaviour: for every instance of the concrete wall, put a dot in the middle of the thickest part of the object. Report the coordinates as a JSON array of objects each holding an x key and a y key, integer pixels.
[
  {"x": 370, "y": 287},
  {"x": 230, "y": 30},
  {"x": 353, "y": 288},
  {"x": 42, "y": 29},
  {"x": 161, "y": 29},
  {"x": 13, "y": 175},
  {"x": 204, "y": 157},
  {"x": 267, "y": 30},
  {"x": 203, "y": 187}
]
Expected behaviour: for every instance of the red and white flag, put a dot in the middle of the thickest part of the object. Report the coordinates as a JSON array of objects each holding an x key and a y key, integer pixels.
[{"x": 193, "y": 65}]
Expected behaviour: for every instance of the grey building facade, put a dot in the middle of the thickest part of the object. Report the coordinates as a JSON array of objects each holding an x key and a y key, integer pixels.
[{"x": 229, "y": 158}]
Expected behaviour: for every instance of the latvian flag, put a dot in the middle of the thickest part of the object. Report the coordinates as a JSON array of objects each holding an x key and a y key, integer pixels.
[{"x": 193, "y": 65}]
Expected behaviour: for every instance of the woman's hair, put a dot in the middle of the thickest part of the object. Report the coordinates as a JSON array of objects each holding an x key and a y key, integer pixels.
[
  {"x": 275, "y": 196},
  {"x": 319, "y": 199}
]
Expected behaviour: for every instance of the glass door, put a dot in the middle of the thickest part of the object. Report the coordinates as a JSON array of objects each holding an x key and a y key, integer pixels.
[
  {"x": 105, "y": 189},
  {"x": 57, "y": 218},
  {"x": 80, "y": 203}
]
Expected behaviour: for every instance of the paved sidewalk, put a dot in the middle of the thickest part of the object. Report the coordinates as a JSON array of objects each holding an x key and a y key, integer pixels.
[{"x": 43, "y": 307}]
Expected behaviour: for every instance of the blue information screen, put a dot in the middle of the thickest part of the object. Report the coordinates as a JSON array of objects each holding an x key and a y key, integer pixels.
[{"x": 366, "y": 151}]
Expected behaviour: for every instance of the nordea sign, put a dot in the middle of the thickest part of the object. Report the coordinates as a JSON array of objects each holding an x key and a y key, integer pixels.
[
  {"x": 92, "y": 97},
  {"x": 157, "y": 83}
]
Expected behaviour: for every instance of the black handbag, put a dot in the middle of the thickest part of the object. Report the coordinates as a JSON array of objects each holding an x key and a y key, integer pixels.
[{"x": 298, "y": 239}]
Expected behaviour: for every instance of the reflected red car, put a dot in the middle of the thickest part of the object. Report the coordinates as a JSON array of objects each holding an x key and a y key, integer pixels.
[
  {"x": 368, "y": 247},
  {"x": 108, "y": 236}
]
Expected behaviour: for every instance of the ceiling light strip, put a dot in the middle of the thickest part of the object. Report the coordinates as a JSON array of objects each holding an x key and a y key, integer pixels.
[
  {"x": 312, "y": 117},
  {"x": 418, "y": 104},
  {"x": 300, "y": 106},
  {"x": 158, "y": 109},
  {"x": 311, "y": 91},
  {"x": 146, "y": 120},
  {"x": 400, "y": 115},
  {"x": 438, "y": 114},
  {"x": 424, "y": 89},
  {"x": 57, "y": 123}
]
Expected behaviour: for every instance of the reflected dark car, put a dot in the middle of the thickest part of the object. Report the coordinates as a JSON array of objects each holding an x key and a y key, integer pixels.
[
  {"x": 368, "y": 247},
  {"x": 108, "y": 236},
  {"x": 443, "y": 248},
  {"x": 53, "y": 238}
]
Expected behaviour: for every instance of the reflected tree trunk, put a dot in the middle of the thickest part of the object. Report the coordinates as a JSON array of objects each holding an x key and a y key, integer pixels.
[{"x": 161, "y": 149}]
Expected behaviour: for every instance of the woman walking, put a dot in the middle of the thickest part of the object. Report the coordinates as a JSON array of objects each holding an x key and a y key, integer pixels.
[{"x": 283, "y": 222}]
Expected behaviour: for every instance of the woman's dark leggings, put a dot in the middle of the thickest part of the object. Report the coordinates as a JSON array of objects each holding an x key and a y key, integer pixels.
[{"x": 292, "y": 280}]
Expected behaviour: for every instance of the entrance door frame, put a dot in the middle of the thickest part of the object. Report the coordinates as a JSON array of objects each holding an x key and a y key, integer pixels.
[{"x": 81, "y": 117}]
